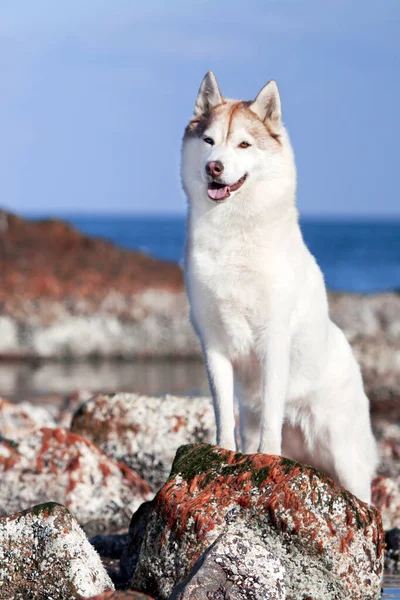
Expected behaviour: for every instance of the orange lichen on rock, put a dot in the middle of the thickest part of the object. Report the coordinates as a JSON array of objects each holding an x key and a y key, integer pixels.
[
  {"x": 300, "y": 510},
  {"x": 53, "y": 464},
  {"x": 52, "y": 259}
]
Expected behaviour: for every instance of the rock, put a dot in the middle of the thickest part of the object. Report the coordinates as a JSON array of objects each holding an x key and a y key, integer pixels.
[
  {"x": 387, "y": 435},
  {"x": 126, "y": 595},
  {"x": 386, "y": 486},
  {"x": 392, "y": 557},
  {"x": 137, "y": 532},
  {"x": 369, "y": 316},
  {"x": 55, "y": 464},
  {"x": 71, "y": 403},
  {"x": 386, "y": 497},
  {"x": 19, "y": 420},
  {"x": 144, "y": 432},
  {"x": 110, "y": 548},
  {"x": 330, "y": 543},
  {"x": 383, "y": 388},
  {"x": 45, "y": 555},
  {"x": 64, "y": 294},
  {"x": 235, "y": 566}
]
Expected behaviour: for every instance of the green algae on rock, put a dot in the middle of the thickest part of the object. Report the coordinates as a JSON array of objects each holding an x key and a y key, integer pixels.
[
  {"x": 330, "y": 543},
  {"x": 45, "y": 554}
]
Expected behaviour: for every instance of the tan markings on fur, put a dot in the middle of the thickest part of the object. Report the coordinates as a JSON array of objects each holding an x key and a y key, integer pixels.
[
  {"x": 197, "y": 126},
  {"x": 272, "y": 133},
  {"x": 256, "y": 127},
  {"x": 235, "y": 108},
  {"x": 266, "y": 125}
]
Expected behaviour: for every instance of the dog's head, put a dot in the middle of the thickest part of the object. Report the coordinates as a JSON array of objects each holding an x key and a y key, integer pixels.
[{"x": 231, "y": 147}]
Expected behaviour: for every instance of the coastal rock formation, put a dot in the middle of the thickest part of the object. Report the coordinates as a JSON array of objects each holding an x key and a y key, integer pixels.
[
  {"x": 370, "y": 316},
  {"x": 45, "y": 554},
  {"x": 143, "y": 431},
  {"x": 330, "y": 543},
  {"x": 64, "y": 294},
  {"x": 235, "y": 566},
  {"x": 19, "y": 420},
  {"x": 57, "y": 465}
]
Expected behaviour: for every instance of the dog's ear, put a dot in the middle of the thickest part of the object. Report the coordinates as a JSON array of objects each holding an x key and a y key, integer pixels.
[
  {"x": 267, "y": 105},
  {"x": 208, "y": 96}
]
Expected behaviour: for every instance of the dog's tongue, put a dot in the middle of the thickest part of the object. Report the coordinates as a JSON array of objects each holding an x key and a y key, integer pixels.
[{"x": 218, "y": 192}]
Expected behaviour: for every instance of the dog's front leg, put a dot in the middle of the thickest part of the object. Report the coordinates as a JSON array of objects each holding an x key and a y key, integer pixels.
[
  {"x": 275, "y": 363},
  {"x": 220, "y": 376}
]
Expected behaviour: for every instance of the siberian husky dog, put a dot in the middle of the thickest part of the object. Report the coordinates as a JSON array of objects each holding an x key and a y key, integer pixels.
[{"x": 257, "y": 297}]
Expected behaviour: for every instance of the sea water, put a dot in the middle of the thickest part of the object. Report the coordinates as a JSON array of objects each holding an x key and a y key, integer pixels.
[{"x": 354, "y": 255}]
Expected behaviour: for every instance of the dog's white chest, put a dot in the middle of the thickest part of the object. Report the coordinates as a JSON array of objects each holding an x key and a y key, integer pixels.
[{"x": 224, "y": 288}]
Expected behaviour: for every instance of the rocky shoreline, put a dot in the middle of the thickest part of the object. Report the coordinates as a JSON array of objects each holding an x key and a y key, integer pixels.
[
  {"x": 173, "y": 516},
  {"x": 66, "y": 296},
  {"x": 135, "y": 479}
]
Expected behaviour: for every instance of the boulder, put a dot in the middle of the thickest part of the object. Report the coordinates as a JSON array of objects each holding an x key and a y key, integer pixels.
[
  {"x": 45, "y": 555},
  {"x": 20, "y": 419},
  {"x": 143, "y": 431},
  {"x": 235, "y": 566},
  {"x": 330, "y": 543},
  {"x": 119, "y": 595},
  {"x": 57, "y": 465},
  {"x": 70, "y": 404},
  {"x": 386, "y": 497}
]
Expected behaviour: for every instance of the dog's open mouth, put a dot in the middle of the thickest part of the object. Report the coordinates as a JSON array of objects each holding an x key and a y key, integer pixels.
[{"x": 220, "y": 191}]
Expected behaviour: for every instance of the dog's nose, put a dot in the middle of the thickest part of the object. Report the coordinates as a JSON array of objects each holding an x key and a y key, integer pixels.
[{"x": 214, "y": 168}]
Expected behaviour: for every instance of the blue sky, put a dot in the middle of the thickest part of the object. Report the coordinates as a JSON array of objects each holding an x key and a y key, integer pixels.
[{"x": 95, "y": 95}]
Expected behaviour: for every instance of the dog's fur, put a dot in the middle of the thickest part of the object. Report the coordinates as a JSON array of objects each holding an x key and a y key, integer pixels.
[{"x": 258, "y": 300}]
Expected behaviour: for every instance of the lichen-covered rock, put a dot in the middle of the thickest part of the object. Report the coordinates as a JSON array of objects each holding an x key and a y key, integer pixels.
[
  {"x": 70, "y": 404},
  {"x": 19, "y": 420},
  {"x": 143, "y": 431},
  {"x": 386, "y": 497},
  {"x": 235, "y": 566},
  {"x": 386, "y": 486},
  {"x": 330, "y": 543},
  {"x": 387, "y": 434},
  {"x": 57, "y": 465},
  {"x": 45, "y": 555},
  {"x": 137, "y": 532},
  {"x": 65, "y": 294},
  {"x": 120, "y": 595}
]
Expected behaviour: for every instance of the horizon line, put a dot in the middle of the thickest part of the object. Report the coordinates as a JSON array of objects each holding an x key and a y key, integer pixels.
[{"x": 66, "y": 214}]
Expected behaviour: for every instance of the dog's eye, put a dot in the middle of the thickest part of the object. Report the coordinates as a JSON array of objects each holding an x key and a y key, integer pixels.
[
  {"x": 209, "y": 141},
  {"x": 244, "y": 145}
]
